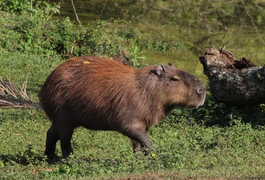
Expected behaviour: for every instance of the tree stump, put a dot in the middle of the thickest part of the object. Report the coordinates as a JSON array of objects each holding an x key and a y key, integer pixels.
[{"x": 233, "y": 81}]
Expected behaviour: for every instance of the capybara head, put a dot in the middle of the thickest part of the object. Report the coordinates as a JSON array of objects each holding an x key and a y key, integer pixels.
[
  {"x": 102, "y": 94},
  {"x": 179, "y": 87}
]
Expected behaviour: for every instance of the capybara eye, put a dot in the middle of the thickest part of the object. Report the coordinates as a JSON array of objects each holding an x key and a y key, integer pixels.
[{"x": 174, "y": 78}]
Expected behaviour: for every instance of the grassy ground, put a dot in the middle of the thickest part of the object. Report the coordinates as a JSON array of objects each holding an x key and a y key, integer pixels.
[{"x": 184, "y": 147}]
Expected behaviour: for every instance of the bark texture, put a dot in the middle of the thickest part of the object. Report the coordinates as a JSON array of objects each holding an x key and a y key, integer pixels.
[{"x": 233, "y": 81}]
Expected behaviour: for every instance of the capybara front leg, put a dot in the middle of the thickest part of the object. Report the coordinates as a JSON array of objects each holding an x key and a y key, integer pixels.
[
  {"x": 51, "y": 140},
  {"x": 137, "y": 146},
  {"x": 139, "y": 139}
]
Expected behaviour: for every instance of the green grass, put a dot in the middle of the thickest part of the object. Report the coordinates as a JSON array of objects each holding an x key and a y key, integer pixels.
[
  {"x": 216, "y": 141},
  {"x": 184, "y": 147}
]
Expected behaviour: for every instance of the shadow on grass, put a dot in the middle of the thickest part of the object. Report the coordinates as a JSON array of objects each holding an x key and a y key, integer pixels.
[
  {"x": 226, "y": 115},
  {"x": 21, "y": 159},
  {"x": 221, "y": 114},
  {"x": 24, "y": 158}
]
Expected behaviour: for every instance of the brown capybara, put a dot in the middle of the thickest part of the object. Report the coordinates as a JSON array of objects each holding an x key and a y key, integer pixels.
[{"x": 102, "y": 94}]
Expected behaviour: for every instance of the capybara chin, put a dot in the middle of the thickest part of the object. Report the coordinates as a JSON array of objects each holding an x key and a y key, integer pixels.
[{"x": 102, "y": 94}]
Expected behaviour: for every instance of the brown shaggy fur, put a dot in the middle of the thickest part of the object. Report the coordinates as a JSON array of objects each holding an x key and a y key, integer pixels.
[{"x": 102, "y": 94}]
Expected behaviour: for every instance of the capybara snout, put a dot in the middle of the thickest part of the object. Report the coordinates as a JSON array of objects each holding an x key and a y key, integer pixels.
[
  {"x": 199, "y": 93},
  {"x": 102, "y": 94}
]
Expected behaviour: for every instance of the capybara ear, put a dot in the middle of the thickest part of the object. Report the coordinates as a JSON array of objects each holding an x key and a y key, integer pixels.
[
  {"x": 160, "y": 70},
  {"x": 170, "y": 64}
]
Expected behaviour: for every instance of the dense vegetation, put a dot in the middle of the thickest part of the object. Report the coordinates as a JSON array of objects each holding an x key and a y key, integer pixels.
[
  {"x": 214, "y": 141},
  {"x": 195, "y": 25}
]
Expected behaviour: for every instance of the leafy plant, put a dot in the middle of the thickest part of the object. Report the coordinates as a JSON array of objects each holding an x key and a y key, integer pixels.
[
  {"x": 135, "y": 55},
  {"x": 14, "y": 5}
]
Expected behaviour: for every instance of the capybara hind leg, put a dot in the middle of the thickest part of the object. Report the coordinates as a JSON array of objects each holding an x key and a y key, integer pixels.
[
  {"x": 51, "y": 140},
  {"x": 65, "y": 135}
]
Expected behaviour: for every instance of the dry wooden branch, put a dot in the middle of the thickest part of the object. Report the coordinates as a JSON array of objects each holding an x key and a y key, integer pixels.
[
  {"x": 12, "y": 96},
  {"x": 72, "y": 1}
]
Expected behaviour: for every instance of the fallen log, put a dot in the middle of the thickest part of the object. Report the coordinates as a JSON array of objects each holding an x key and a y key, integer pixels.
[{"x": 233, "y": 81}]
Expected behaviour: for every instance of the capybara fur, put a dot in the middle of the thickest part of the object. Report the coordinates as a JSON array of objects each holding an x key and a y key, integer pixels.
[{"x": 103, "y": 94}]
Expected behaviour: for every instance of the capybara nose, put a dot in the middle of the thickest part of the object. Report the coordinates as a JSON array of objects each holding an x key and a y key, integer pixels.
[{"x": 200, "y": 90}]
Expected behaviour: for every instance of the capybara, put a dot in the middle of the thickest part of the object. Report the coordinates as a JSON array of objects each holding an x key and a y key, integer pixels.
[{"x": 103, "y": 94}]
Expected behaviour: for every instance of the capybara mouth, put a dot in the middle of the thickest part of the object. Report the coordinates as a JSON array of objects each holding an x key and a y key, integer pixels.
[{"x": 194, "y": 107}]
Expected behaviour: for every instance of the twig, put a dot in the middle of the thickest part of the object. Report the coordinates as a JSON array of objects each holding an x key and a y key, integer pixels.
[
  {"x": 8, "y": 104},
  {"x": 253, "y": 23},
  {"x": 13, "y": 97},
  {"x": 255, "y": 27},
  {"x": 72, "y": 1},
  {"x": 102, "y": 9},
  {"x": 72, "y": 50}
]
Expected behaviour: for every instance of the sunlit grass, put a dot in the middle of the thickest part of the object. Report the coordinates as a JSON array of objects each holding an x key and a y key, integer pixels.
[
  {"x": 183, "y": 147},
  {"x": 216, "y": 141},
  {"x": 189, "y": 150}
]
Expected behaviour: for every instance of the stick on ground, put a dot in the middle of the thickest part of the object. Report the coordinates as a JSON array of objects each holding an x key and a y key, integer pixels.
[{"x": 12, "y": 96}]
